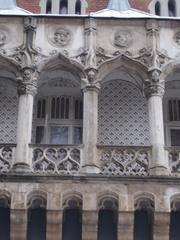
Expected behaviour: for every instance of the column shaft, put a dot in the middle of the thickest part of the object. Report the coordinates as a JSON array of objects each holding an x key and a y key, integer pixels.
[
  {"x": 159, "y": 164},
  {"x": 18, "y": 224},
  {"x": 90, "y": 128},
  {"x": 24, "y": 129},
  {"x": 125, "y": 225}
]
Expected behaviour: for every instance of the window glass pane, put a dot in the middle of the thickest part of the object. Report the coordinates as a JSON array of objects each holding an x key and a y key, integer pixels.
[
  {"x": 53, "y": 108},
  {"x": 175, "y": 137},
  {"x": 59, "y": 135},
  {"x": 39, "y": 134},
  {"x": 77, "y": 135}
]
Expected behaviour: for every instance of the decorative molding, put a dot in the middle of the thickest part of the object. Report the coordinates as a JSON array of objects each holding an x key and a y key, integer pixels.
[{"x": 177, "y": 38}]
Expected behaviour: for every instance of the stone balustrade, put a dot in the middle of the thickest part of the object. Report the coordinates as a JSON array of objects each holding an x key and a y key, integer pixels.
[
  {"x": 124, "y": 161},
  {"x": 174, "y": 160},
  {"x": 67, "y": 160},
  {"x": 56, "y": 159},
  {"x": 7, "y": 155}
]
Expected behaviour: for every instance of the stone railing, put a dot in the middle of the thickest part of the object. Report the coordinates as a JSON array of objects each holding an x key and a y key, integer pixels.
[
  {"x": 174, "y": 160},
  {"x": 7, "y": 154},
  {"x": 56, "y": 159},
  {"x": 124, "y": 161}
]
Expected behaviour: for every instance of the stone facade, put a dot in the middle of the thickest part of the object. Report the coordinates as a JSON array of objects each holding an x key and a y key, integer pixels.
[{"x": 127, "y": 66}]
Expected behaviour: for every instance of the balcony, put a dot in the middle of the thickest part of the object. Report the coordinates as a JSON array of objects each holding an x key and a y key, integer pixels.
[{"x": 67, "y": 159}]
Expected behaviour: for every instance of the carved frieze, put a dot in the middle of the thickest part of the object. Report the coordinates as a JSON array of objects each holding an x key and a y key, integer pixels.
[
  {"x": 61, "y": 37},
  {"x": 122, "y": 39}
]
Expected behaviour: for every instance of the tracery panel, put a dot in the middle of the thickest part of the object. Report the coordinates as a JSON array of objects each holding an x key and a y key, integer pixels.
[
  {"x": 9, "y": 110},
  {"x": 122, "y": 115}
]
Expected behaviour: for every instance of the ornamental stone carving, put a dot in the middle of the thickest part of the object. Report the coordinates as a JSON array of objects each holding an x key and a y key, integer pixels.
[
  {"x": 154, "y": 86},
  {"x": 60, "y": 38},
  {"x": 177, "y": 38},
  {"x": 27, "y": 84},
  {"x": 122, "y": 39}
]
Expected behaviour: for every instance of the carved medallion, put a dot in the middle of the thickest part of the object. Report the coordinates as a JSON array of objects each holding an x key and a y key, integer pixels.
[
  {"x": 122, "y": 39},
  {"x": 61, "y": 37},
  {"x": 177, "y": 38}
]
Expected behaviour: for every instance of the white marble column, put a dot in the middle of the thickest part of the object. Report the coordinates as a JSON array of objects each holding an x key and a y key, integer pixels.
[
  {"x": 26, "y": 91},
  {"x": 154, "y": 92},
  {"x": 90, "y": 129}
]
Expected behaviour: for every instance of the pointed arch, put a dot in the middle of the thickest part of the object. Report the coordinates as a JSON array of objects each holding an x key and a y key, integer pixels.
[
  {"x": 172, "y": 8},
  {"x": 122, "y": 62},
  {"x": 78, "y": 7},
  {"x": 49, "y": 6},
  {"x": 63, "y": 7},
  {"x": 158, "y": 8}
]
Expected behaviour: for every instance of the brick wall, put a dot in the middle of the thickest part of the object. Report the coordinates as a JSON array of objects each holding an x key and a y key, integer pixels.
[
  {"x": 93, "y": 5},
  {"x": 30, "y": 5}
]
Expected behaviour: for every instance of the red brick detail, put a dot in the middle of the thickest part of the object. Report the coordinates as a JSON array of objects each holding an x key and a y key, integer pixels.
[
  {"x": 93, "y": 5},
  {"x": 30, "y": 5}
]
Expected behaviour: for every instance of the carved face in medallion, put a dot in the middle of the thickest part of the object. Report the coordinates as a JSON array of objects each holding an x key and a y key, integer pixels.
[
  {"x": 122, "y": 39},
  {"x": 61, "y": 37}
]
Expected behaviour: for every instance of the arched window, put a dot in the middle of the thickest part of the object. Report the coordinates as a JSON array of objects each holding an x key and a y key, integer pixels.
[
  {"x": 143, "y": 220},
  {"x": 72, "y": 219},
  {"x": 78, "y": 7},
  {"x": 49, "y": 6},
  {"x": 63, "y": 9},
  {"x": 175, "y": 220},
  {"x": 158, "y": 8},
  {"x": 36, "y": 219},
  {"x": 4, "y": 219},
  {"x": 172, "y": 8},
  {"x": 107, "y": 219}
]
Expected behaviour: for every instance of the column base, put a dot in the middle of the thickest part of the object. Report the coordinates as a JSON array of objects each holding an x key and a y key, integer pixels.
[
  {"x": 90, "y": 169},
  {"x": 159, "y": 171},
  {"x": 21, "y": 168}
]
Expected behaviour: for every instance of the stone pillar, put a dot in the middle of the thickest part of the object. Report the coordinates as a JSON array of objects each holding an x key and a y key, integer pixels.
[
  {"x": 90, "y": 128},
  {"x": 26, "y": 90},
  {"x": 54, "y": 225},
  {"x": 89, "y": 225},
  {"x": 161, "y": 225},
  {"x": 18, "y": 224},
  {"x": 154, "y": 90},
  {"x": 125, "y": 225}
]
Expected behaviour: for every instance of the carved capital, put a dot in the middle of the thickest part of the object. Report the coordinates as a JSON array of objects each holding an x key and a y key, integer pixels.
[
  {"x": 91, "y": 87},
  {"x": 27, "y": 84},
  {"x": 91, "y": 74},
  {"x": 154, "y": 86}
]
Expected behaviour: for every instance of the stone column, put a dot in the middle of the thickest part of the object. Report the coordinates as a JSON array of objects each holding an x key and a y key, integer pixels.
[
  {"x": 161, "y": 225},
  {"x": 154, "y": 90},
  {"x": 18, "y": 224},
  {"x": 89, "y": 225},
  {"x": 26, "y": 90},
  {"x": 54, "y": 224},
  {"x": 125, "y": 225},
  {"x": 90, "y": 129}
]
